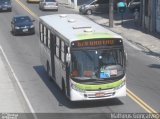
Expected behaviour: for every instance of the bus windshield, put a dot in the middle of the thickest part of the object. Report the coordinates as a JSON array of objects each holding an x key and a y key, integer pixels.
[{"x": 97, "y": 65}]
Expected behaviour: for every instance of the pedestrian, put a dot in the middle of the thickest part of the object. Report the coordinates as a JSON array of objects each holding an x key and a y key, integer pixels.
[
  {"x": 136, "y": 17},
  {"x": 121, "y": 3}
]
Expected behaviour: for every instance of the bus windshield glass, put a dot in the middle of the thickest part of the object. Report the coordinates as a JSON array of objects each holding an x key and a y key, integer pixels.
[{"x": 97, "y": 65}]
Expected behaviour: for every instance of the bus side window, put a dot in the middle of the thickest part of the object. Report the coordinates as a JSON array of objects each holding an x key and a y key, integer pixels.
[
  {"x": 41, "y": 32},
  {"x": 57, "y": 46},
  {"x": 48, "y": 36},
  {"x": 62, "y": 51},
  {"x": 44, "y": 35},
  {"x": 53, "y": 42},
  {"x": 65, "y": 49}
]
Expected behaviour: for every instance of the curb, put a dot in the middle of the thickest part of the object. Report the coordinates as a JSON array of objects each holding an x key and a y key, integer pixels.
[{"x": 28, "y": 111}]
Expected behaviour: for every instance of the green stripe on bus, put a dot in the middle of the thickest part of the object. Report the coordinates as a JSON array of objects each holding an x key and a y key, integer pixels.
[
  {"x": 93, "y": 35},
  {"x": 100, "y": 86}
]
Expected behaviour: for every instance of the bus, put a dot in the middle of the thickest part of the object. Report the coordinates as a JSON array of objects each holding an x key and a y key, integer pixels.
[{"x": 86, "y": 60}]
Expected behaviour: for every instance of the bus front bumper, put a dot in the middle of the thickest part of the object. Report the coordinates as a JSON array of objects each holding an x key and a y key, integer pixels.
[{"x": 97, "y": 95}]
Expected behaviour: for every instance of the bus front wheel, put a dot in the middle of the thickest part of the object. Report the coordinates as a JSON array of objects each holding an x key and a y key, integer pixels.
[
  {"x": 63, "y": 88},
  {"x": 48, "y": 70}
]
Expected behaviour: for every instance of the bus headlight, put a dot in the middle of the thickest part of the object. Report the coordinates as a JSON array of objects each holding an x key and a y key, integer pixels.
[
  {"x": 121, "y": 85},
  {"x": 17, "y": 27},
  {"x": 32, "y": 26},
  {"x": 76, "y": 88}
]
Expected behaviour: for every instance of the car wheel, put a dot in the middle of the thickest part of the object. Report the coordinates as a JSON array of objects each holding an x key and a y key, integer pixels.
[
  {"x": 89, "y": 12},
  {"x": 80, "y": 12},
  {"x": 14, "y": 32},
  {"x": 40, "y": 7},
  {"x": 10, "y": 10},
  {"x": 33, "y": 33}
]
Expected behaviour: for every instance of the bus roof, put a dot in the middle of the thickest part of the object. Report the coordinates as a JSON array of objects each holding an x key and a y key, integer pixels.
[{"x": 76, "y": 27}]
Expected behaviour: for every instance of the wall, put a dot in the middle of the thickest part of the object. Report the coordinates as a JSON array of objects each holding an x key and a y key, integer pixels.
[
  {"x": 158, "y": 16},
  {"x": 151, "y": 15}
]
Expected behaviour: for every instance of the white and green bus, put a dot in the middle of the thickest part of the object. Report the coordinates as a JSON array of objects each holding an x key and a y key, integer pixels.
[{"x": 86, "y": 60}]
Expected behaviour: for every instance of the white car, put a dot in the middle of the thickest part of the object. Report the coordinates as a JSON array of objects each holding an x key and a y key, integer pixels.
[
  {"x": 134, "y": 4},
  {"x": 48, "y": 5},
  {"x": 33, "y": 1}
]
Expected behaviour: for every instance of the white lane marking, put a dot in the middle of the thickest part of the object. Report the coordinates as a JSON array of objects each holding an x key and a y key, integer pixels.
[{"x": 20, "y": 86}]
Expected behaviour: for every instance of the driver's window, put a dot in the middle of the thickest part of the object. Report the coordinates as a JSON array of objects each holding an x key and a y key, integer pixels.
[
  {"x": 107, "y": 58},
  {"x": 137, "y": 1},
  {"x": 98, "y": 2},
  {"x": 93, "y": 3}
]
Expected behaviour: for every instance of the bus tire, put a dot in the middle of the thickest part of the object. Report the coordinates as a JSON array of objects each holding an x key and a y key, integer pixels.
[
  {"x": 63, "y": 88},
  {"x": 48, "y": 69}
]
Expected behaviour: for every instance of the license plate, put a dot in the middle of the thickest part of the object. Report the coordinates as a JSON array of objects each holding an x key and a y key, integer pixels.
[
  {"x": 4, "y": 8},
  {"x": 25, "y": 30},
  {"x": 99, "y": 94},
  {"x": 50, "y": 4}
]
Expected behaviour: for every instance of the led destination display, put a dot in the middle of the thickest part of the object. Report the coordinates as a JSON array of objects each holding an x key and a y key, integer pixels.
[{"x": 97, "y": 42}]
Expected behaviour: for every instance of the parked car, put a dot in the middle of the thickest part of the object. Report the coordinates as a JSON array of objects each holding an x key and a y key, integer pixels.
[
  {"x": 22, "y": 25},
  {"x": 48, "y": 5},
  {"x": 5, "y": 5},
  {"x": 33, "y": 1},
  {"x": 94, "y": 6},
  {"x": 134, "y": 4}
]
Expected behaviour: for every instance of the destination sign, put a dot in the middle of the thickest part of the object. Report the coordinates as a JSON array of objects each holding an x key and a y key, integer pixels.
[{"x": 97, "y": 42}]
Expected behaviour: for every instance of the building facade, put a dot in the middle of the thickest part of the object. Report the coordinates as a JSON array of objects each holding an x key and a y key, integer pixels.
[
  {"x": 158, "y": 16},
  {"x": 150, "y": 19}
]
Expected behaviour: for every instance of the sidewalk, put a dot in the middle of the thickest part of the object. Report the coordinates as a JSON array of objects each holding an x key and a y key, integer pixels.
[
  {"x": 9, "y": 99},
  {"x": 134, "y": 34}
]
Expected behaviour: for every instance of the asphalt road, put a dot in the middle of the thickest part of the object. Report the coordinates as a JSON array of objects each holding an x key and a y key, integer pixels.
[{"x": 24, "y": 56}]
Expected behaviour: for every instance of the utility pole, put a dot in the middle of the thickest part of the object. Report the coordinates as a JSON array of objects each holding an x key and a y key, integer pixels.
[
  {"x": 111, "y": 13},
  {"x": 69, "y": 2},
  {"x": 75, "y": 4},
  {"x": 142, "y": 13}
]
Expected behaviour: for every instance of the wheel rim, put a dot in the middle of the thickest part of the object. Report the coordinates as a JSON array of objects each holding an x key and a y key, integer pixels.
[
  {"x": 14, "y": 32},
  {"x": 89, "y": 12}
]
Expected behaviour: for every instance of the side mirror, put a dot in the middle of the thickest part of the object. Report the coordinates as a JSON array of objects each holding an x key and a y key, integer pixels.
[
  {"x": 68, "y": 58},
  {"x": 125, "y": 58},
  {"x": 93, "y": 3}
]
